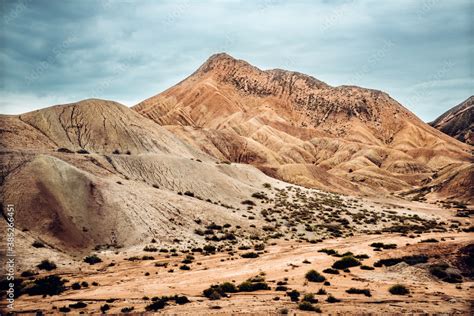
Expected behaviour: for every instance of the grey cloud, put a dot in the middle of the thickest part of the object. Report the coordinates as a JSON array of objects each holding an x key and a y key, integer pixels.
[{"x": 62, "y": 51}]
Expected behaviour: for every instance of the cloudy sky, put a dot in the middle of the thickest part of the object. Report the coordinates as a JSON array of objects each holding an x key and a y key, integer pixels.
[{"x": 53, "y": 52}]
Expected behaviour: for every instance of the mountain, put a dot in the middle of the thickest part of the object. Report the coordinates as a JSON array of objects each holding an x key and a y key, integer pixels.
[
  {"x": 301, "y": 130},
  {"x": 458, "y": 122}
]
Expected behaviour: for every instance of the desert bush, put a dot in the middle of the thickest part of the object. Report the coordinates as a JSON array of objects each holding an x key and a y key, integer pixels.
[
  {"x": 259, "y": 195},
  {"x": 430, "y": 240},
  {"x": 249, "y": 255},
  {"x": 410, "y": 260},
  {"x": 248, "y": 286},
  {"x": 82, "y": 151},
  {"x": 248, "y": 202},
  {"x": 209, "y": 248},
  {"x": 440, "y": 271},
  {"x": 149, "y": 248},
  {"x": 28, "y": 273},
  {"x": 294, "y": 295},
  {"x": 399, "y": 289},
  {"x": 127, "y": 309},
  {"x": 104, "y": 308},
  {"x": 49, "y": 285},
  {"x": 364, "y": 267},
  {"x": 46, "y": 265},
  {"x": 314, "y": 276},
  {"x": 64, "y": 309},
  {"x": 332, "y": 299},
  {"x": 215, "y": 292},
  {"x": 329, "y": 252},
  {"x": 185, "y": 267},
  {"x": 321, "y": 291},
  {"x": 331, "y": 271},
  {"x": 76, "y": 286},
  {"x": 309, "y": 297},
  {"x": 189, "y": 193},
  {"x": 64, "y": 150},
  {"x": 37, "y": 244},
  {"x": 307, "y": 306},
  {"x": 383, "y": 246},
  {"x": 346, "y": 262},
  {"x": 78, "y": 305},
  {"x": 353, "y": 290},
  {"x": 156, "y": 305},
  {"x": 259, "y": 247},
  {"x": 92, "y": 259}
]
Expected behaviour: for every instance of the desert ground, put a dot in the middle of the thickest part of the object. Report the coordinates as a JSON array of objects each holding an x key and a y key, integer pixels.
[{"x": 135, "y": 278}]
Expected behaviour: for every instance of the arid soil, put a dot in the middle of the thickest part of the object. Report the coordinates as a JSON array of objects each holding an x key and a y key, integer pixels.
[{"x": 123, "y": 282}]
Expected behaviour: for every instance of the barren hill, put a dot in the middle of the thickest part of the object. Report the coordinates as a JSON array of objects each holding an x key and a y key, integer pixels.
[
  {"x": 97, "y": 174},
  {"x": 458, "y": 122},
  {"x": 301, "y": 130}
]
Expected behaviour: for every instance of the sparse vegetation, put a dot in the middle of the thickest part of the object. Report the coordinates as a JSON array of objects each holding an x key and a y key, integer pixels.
[{"x": 49, "y": 285}]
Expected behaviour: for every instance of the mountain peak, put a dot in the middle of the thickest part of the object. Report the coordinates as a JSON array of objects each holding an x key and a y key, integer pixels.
[{"x": 222, "y": 62}]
